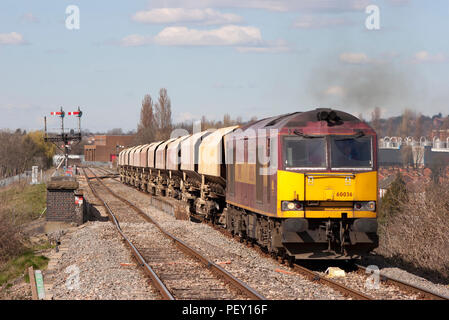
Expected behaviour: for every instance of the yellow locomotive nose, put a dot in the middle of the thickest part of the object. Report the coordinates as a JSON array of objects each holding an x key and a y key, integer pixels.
[{"x": 327, "y": 195}]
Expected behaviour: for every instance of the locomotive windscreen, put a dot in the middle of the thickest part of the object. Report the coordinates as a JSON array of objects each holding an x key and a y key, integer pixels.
[
  {"x": 350, "y": 152},
  {"x": 302, "y": 152}
]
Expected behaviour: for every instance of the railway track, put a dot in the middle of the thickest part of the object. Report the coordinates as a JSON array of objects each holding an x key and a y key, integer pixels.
[
  {"x": 352, "y": 291},
  {"x": 422, "y": 293},
  {"x": 177, "y": 270}
]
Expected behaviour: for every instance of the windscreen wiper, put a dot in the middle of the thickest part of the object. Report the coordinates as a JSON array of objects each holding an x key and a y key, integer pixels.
[
  {"x": 355, "y": 136},
  {"x": 302, "y": 134}
]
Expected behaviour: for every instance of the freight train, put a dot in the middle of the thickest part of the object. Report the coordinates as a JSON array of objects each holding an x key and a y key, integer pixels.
[{"x": 301, "y": 185}]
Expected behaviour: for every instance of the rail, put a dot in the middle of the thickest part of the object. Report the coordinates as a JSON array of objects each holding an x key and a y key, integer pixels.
[
  {"x": 313, "y": 276},
  {"x": 216, "y": 269},
  {"x": 165, "y": 293}
]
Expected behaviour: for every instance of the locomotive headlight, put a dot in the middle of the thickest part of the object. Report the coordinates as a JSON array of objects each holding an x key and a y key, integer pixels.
[
  {"x": 365, "y": 206},
  {"x": 292, "y": 206}
]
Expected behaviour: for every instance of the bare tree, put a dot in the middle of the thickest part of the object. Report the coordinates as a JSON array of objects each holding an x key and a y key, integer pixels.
[
  {"x": 418, "y": 156},
  {"x": 115, "y": 131},
  {"x": 162, "y": 115},
  {"x": 227, "y": 120},
  {"x": 390, "y": 127},
  {"x": 419, "y": 131},
  {"x": 445, "y": 125},
  {"x": 375, "y": 119},
  {"x": 406, "y": 156},
  {"x": 404, "y": 130},
  {"x": 146, "y": 129}
]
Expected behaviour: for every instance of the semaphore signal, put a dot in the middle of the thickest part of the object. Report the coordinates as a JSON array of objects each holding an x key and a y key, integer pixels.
[
  {"x": 66, "y": 138},
  {"x": 76, "y": 113}
]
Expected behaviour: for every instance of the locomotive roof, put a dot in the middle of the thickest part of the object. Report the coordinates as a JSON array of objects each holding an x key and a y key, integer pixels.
[{"x": 298, "y": 119}]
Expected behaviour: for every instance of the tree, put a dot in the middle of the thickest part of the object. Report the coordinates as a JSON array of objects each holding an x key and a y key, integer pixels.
[
  {"x": 419, "y": 130},
  {"x": 390, "y": 127},
  {"x": 375, "y": 119},
  {"x": 406, "y": 155},
  {"x": 19, "y": 151},
  {"x": 115, "y": 132},
  {"x": 146, "y": 129},
  {"x": 404, "y": 130},
  {"x": 227, "y": 122},
  {"x": 445, "y": 124},
  {"x": 45, "y": 150},
  {"x": 395, "y": 196},
  {"x": 162, "y": 116},
  {"x": 437, "y": 166}
]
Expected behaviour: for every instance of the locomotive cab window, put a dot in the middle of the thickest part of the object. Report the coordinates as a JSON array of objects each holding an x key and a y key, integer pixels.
[
  {"x": 350, "y": 152},
  {"x": 302, "y": 152}
]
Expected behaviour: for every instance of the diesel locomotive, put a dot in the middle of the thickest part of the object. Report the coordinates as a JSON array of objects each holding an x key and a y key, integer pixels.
[{"x": 301, "y": 185}]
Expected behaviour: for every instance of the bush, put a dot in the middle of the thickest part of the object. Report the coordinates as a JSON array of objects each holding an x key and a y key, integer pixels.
[
  {"x": 395, "y": 195},
  {"x": 18, "y": 266},
  {"x": 10, "y": 241},
  {"x": 417, "y": 232}
]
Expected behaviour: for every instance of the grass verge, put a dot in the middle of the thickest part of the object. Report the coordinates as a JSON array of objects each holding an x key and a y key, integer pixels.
[{"x": 19, "y": 265}]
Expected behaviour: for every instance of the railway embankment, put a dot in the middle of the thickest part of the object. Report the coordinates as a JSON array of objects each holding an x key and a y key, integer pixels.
[{"x": 414, "y": 229}]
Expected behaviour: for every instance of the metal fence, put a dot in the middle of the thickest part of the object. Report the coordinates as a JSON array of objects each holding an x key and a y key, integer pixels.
[
  {"x": 42, "y": 177},
  {"x": 26, "y": 176}
]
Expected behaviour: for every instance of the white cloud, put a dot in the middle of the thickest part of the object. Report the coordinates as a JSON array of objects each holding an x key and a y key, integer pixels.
[
  {"x": 425, "y": 56},
  {"x": 135, "y": 40},
  {"x": 206, "y": 16},
  {"x": 225, "y": 36},
  {"x": 330, "y": 6},
  {"x": 335, "y": 91},
  {"x": 272, "y": 5},
  {"x": 29, "y": 17},
  {"x": 354, "y": 58},
  {"x": 265, "y": 49},
  {"x": 279, "y": 46},
  {"x": 245, "y": 39},
  {"x": 315, "y": 22},
  {"x": 336, "y": 6},
  {"x": 13, "y": 38},
  {"x": 399, "y": 2}
]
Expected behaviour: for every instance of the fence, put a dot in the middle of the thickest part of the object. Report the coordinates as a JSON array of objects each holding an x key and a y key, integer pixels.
[{"x": 26, "y": 176}]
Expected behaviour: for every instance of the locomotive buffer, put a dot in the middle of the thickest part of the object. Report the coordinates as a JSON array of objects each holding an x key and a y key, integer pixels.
[{"x": 65, "y": 138}]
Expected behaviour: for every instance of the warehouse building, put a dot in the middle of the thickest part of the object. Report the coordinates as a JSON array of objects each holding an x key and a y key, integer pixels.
[{"x": 105, "y": 148}]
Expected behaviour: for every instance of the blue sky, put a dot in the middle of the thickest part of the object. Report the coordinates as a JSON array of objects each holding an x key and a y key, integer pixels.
[{"x": 246, "y": 57}]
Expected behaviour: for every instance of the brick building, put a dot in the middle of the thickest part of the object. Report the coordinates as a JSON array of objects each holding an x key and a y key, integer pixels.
[
  {"x": 104, "y": 148},
  {"x": 65, "y": 201}
]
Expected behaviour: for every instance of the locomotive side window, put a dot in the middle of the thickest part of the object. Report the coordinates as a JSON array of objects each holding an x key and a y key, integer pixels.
[
  {"x": 350, "y": 152},
  {"x": 304, "y": 153}
]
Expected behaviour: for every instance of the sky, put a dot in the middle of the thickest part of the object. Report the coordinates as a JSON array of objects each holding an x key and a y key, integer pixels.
[{"x": 243, "y": 57}]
